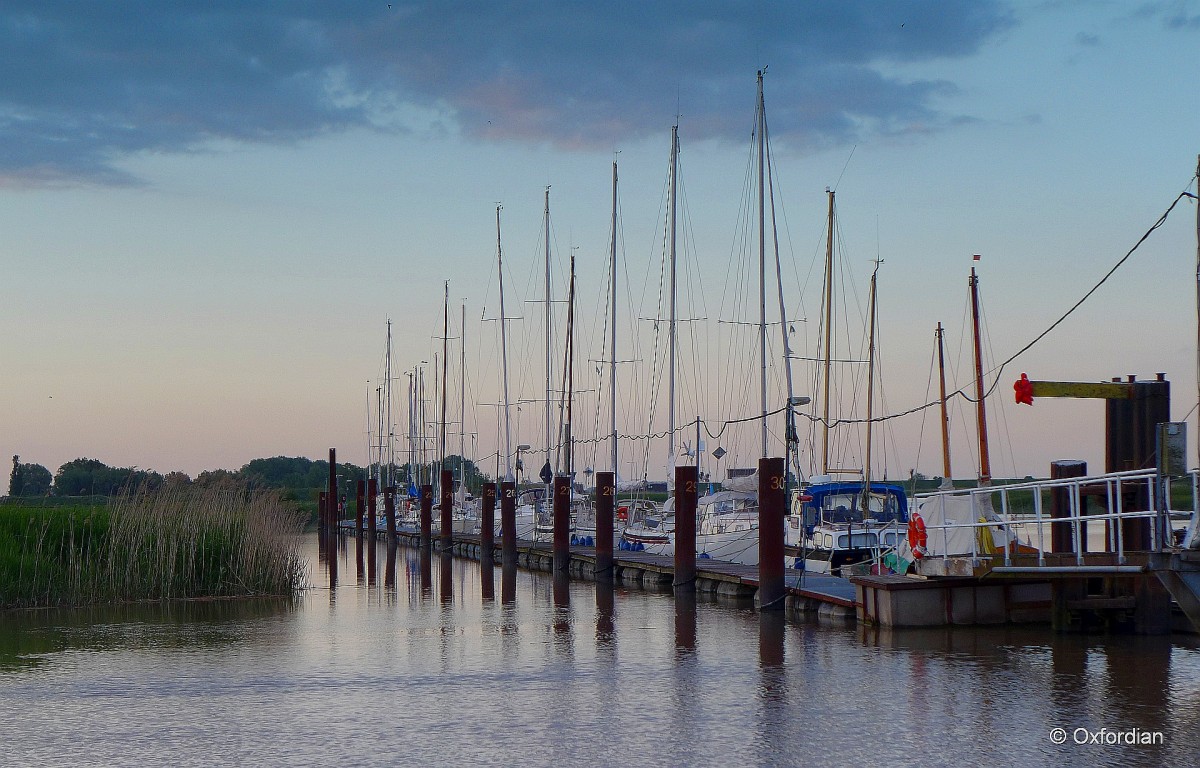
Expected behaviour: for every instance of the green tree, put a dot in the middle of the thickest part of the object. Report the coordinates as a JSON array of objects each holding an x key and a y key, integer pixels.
[
  {"x": 83, "y": 477},
  {"x": 28, "y": 479}
]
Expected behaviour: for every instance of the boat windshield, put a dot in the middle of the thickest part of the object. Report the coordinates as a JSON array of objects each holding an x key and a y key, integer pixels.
[
  {"x": 728, "y": 506},
  {"x": 847, "y": 508}
]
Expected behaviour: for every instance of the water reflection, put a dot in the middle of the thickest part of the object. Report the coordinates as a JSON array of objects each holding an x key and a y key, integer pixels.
[
  {"x": 372, "y": 550},
  {"x": 30, "y": 638},
  {"x": 487, "y": 576},
  {"x": 772, "y": 686},
  {"x": 359, "y": 567},
  {"x": 508, "y": 583},
  {"x": 398, "y": 677},
  {"x": 685, "y": 625},
  {"x": 425, "y": 560},
  {"x": 606, "y": 635},
  {"x": 446, "y": 578}
]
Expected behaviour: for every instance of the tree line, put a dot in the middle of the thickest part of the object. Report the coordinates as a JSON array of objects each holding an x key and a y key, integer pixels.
[{"x": 91, "y": 477}]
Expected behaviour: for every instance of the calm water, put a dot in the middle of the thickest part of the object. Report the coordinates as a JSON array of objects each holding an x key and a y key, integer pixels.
[{"x": 421, "y": 669}]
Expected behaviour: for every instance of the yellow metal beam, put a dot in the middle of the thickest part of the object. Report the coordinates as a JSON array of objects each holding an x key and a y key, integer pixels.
[{"x": 1106, "y": 390}]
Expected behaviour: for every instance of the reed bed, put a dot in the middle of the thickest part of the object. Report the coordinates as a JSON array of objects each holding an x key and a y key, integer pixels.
[{"x": 165, "y": 544}]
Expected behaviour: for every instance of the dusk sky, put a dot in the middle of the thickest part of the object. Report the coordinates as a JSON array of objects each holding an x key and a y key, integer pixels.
[{"x": 209, "y": 211}]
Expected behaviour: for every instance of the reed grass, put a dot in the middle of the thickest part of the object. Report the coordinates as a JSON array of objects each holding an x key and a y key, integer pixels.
[{"x": 151, "y": 545}]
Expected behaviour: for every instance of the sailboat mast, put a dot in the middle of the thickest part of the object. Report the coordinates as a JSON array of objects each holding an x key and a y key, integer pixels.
[
  {"x": 985, "y": 462},
  {"x": 760, "y": 129},
  {"x": 379, "y": 445},
  {"x": 445, "y": 360},
  {"x": 436, "y": 460},
  {"x": 1198, "y": 284},
  {"x": 828, "y": 335},
  {"x": 612, "y": 342},
  {"x": 508, "y": 473},
  {"x": 570, "y": 373},
  {"x": 387, "y": 403},
  {"x": 945, "y": 417},
  {"x": 462, "y": 402},
  {"x": 671, "y": 326},
  {"x": 412, "y": 425},
  {"x": 549, "y": 333},
  {"x": 790, "y": 426},
  {"x": 871, "y": 312}
]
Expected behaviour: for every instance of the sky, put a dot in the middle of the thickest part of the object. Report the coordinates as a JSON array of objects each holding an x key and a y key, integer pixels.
[{"x": 210, "y": 211}]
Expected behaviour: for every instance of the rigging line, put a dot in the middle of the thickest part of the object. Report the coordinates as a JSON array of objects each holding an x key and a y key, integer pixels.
[
  {"x": 838, "y": 183},
  {"x": 999, "y": 368},
  {"x": 1161, "y": 220}
]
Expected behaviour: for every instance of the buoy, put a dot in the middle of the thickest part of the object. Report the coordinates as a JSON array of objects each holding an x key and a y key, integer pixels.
[{"x": 918, "y": 537}]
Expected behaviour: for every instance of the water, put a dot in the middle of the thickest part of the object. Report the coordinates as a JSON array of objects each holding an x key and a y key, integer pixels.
[{"x": 425, "y": 671}]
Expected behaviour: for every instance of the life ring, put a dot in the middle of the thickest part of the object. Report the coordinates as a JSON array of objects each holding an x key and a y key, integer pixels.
[
  {"x": 918, "y": 537},
  {"x": 622, "y": 513}
]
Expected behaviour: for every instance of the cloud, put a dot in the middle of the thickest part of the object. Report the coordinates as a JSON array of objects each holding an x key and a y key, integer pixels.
[{"x": 85, "y": 85}]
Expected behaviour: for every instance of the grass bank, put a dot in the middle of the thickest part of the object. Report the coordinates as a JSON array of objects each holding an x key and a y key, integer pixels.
[{"x": 166, "y": 544}]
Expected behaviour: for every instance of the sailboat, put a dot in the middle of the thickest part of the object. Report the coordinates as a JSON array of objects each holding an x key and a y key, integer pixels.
[
  {"x": 837, "y": 523},
  {"x": 726, "y": 521},
  {"x": 951, "y": 515}
]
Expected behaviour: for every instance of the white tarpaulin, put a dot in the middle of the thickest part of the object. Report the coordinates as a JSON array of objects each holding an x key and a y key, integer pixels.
[{"x": 955, "y": 510}]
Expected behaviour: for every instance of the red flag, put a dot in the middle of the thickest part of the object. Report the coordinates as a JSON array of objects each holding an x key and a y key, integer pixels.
[{"x": 975, "y": 257}]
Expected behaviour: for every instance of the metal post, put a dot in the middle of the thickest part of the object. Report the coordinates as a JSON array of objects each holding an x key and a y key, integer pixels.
[
  {"x": 771, "y": 504},
  {"x": 686, "y": 479},
  {"x": 562, "y": 524},
  {"x": 606, "y": 497}
]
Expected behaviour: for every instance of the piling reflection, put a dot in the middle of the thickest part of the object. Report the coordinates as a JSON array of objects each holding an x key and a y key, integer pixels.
[
  {"x": 425, "y": 562},
  {"x": 487, "y": 576},
  {"x": 445, "y": 578},
  {"x": 331, "y": 564},
  {"x": 606, "y": 629},
  {"x": 389, "y": 568},
  {"x": 359, "y": 563},
  {"x": 563, "y": 623},
  {"x": 772, "y": 686},
  {"x": 508, "y": 583},
  {"x": 372, "y": 558},
  {"x": 685, "y": 625}
]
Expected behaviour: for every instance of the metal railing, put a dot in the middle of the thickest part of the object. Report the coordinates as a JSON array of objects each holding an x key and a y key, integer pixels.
[{"x": 1010, "y": 521}]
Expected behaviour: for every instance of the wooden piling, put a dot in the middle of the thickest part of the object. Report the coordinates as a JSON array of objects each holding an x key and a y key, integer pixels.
[
  {"x": 372, "y": 504},
  {"x": 606, "y": 497},
  {"x": 446, "y": 541},
  {"x": 772, "y": 501},
  {"x": 323, "y": 511},
  {"x": 686, "y": 481},
  {"x": 360, "y": 499},
  {"x": 332, "y": 491},
  {"x": 562, "y": 524},
  {"x": 389, "y": 512},
  {"x": 508, "y": 524},
  {"x": 1062, "y": 534},
  {"x": 487, "y": 522},
  {"x": 426, "y": 516}
]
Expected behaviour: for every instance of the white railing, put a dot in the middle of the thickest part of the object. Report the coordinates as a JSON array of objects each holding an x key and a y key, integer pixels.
[{"x": 1009, "y": 522}]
